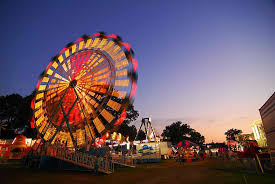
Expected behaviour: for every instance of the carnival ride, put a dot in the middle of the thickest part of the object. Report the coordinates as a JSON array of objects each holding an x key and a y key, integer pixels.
[
  {"x": 148, "y": 150},
  {"x": 84, "y": 92}
]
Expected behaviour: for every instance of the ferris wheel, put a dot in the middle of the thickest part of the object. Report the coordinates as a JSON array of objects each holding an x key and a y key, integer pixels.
[{"x": 85, "y": 90}]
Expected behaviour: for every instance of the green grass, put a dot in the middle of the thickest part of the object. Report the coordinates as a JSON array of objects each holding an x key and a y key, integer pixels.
[{"x": 168, "y": 171}]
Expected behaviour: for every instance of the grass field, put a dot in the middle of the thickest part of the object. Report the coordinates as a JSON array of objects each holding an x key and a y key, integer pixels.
[{"x": 168, "y": 171}]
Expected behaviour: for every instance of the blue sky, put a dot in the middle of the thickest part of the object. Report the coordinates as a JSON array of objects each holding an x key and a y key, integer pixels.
[{"x": 207, "y": 63}]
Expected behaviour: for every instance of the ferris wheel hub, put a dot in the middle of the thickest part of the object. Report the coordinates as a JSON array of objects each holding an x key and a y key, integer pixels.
[{"x": 73, "y": 83}]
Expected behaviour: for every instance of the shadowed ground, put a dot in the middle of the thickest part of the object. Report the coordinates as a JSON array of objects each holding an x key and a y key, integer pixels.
[{"x": 210, "y": 171}]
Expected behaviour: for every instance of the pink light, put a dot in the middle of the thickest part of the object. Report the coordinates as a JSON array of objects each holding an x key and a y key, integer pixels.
[
  {"x": 135, "y": 64},
  {"x": 126, "y": 45},
  {"x": 63, "y": 50},
  {"x": 134, "y": 90},
  {"x": 79, "y": 39},
  {"x": 49, "y": 65},
  {"x": 96, "y": 34},
  {"x": 112, "y": 36},
  {"x": 37, "y": 85}
]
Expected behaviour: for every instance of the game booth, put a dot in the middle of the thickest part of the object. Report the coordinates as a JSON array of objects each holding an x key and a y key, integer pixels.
[
  {"x": 189, "y": 151},
  {"x": 15, "y": 148}
]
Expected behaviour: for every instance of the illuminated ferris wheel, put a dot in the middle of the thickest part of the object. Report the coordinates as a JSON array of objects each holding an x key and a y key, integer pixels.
[{"x": 85, "y": 90}]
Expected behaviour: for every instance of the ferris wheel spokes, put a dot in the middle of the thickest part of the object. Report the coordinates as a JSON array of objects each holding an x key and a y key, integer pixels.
[{"x": 84, "y": 90}]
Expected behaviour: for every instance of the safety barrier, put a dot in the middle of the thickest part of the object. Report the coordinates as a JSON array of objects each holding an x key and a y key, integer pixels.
[
  {"x": 97, "y": 163},
  {"x": 101, "y": 164},
  {"x": 150, "y": 157},
  {"x": 124, "y": 160}
]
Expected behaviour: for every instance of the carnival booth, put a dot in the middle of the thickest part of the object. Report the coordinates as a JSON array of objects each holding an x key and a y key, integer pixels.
[
  {"x": 188, "y": 151},
  {"x": 147, "y": 151},
  {"x": 15, "y": 148},
  {"x": 19, "y": 147},
  {"x": 5, "y": 147}
]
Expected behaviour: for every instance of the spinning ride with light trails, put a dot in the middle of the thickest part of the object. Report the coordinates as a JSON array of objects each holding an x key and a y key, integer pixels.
[{"x": 85, "y": 90}]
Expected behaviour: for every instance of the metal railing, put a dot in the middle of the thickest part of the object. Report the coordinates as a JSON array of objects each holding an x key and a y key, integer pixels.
[
  {"x": 98, "y": 163},
  {"x": 124, "y": 160},
  {"x": 151, "y": 155}
]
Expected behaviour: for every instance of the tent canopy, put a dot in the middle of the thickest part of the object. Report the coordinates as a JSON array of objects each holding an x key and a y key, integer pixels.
[{"x": 185, "y": 144}]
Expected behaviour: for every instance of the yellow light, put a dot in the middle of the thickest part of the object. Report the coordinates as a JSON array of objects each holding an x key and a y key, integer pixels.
[
  {"x": 122, "y": 73},
  {"x": 121, "y": 64},
  {"x": 114, "y": 135},
  {"x": 98, "y": 124},
  {"x": 73, "y": 48},
  {"x": 81, "y": 45},
  {"x": 123, "y": 83},
  {"x": 107, "y": 115},
  {"x": 67, "y": 52},
  {"x": 49, "y": 72},
  {"x": 119, "y": 94},
  {"x": 88, "y": 43},
  {"x": 119, "y": 137},
  {"x": 42, "y": 87},
  {"x": 55, "y": 65},
  {"x": 40, "y": 95},
  {"x": 39, "y": 120},
  {"x": 95, "y": 42},
  {"x": 114, "y": 105},
  {"x": 65, "y": 67},
  {"x": 38, "y": 112},
  {"x": 60, "y": 58},
  {"x": 102, "y": 43},
  {"x": 45, "y": 79}
]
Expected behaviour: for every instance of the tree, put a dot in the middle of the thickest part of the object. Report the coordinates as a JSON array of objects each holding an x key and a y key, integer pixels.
[
  {"x": 231, "y": 133},
  {"x": 3, "y": 126},
  {"x": 124, "y": 128},
  {"x": 132, "y": 114},
  {"x": 26, "y": 114},
  {"x": 127, "y": 130},
  {"x": 9, "y": 111},
  {"x": 196, "y": 137},
  {"x": 178, "y": 131},
  {"x": 141, "y": 135},
  {"x": 15, "y": 111}
]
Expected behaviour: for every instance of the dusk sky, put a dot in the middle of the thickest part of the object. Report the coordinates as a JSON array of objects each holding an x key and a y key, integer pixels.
[{"x": 210, "y": 64}]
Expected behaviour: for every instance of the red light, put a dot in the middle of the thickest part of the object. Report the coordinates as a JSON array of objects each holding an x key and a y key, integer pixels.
[
  {"x": 32, "y": 123},
  {"x": 32, "y": 103},
  {"x": 122, "y": 117},
  {"x": 78, "y": 40}
]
